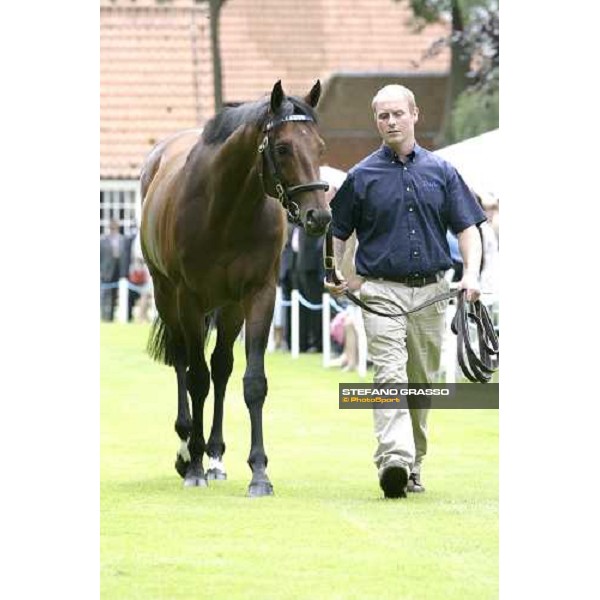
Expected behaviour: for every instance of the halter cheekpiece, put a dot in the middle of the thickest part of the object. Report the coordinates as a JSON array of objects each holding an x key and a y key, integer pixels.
[{"x": 285, "y": 193}]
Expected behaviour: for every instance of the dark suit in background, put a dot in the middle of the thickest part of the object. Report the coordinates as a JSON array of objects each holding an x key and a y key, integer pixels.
[
  {"x": 287, "y": 282},
  {"x": 114, "y": 264},
  {"x": 310, "y": 284}
]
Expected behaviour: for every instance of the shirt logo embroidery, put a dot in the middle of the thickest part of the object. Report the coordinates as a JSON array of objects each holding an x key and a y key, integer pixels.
[{"x": 431, "y": 185}]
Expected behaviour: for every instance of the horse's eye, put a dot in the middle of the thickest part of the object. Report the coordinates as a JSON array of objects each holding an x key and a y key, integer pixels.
[{"x": 283, "y": 150}]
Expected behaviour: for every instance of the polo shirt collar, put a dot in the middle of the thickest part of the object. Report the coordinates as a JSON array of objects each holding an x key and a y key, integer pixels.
[{"x": 389, "y": 154}]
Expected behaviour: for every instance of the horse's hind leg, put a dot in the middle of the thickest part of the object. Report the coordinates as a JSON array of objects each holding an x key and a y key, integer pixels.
[
  {"x": 259, "y": 312},
  {"x": 198, "y": 384},
  {"x": 183, "y": 423},
  {"x": 168, "y": 345},
  {"x": 229, "y": 323}
]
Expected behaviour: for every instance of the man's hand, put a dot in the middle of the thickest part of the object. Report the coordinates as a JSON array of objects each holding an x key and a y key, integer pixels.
[
  {"x": 336, "y": 289},
  {"x": 470, "y": 283},
  {"x": 355, "y": 282}
]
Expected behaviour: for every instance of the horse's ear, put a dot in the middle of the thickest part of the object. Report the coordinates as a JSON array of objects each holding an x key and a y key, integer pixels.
[
  {"x": 277, "y": 96},
  {"x": 313, "y": 97}
]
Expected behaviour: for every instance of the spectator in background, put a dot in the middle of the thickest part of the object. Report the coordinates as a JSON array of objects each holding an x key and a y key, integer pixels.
[
  {"x": 114, "y": 264},
  {"x": 490, "y": 246},
  {"x": 344, "y": 327},
  {"x": 133, "y": 271},
  {"x": 311, "y": 272},
  {"x": 310, "y": 285},
  {"x": 343, "y": 334},
  {"x": 457, "y": 263},
  {"x": 140, "y": 290},
  {"x": 491, "y": 206}
]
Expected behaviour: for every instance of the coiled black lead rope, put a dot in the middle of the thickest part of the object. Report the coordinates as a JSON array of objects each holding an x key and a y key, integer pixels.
[{"x": 476, "y": 367}]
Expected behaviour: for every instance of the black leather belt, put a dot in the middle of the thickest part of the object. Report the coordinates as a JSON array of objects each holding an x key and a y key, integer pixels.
[
  {"x": 475, "y": 367},
  {"x": 412, "y": 280}
]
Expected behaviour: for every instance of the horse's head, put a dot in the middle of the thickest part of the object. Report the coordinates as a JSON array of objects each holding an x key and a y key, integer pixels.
[{"x": 291, "y": 149}]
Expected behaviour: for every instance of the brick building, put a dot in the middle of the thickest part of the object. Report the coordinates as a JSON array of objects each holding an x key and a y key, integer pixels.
[{"x": 156, "y": 74}]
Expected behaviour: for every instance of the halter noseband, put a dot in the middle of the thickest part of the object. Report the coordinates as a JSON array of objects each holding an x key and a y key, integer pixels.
[{"x": 285, "y": 193}]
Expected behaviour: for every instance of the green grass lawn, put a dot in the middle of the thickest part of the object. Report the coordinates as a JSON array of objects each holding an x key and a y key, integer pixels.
[{"x": 326, "y": 534}]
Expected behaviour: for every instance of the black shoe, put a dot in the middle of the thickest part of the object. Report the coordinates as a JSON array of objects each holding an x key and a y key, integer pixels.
[
  {"x": 393, "y": 481},
  {"x": 414, "y": 483}
]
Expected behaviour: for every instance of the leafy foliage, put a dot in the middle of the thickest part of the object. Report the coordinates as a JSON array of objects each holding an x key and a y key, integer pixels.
[
  {"x": 475, "y": 33},
  {"x": 474, "y": 112}
]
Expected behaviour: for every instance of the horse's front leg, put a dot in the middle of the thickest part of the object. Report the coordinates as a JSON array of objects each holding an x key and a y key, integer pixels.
[
  {"x": 258, "y": 311},
  {"x": 229, "y": 323}
]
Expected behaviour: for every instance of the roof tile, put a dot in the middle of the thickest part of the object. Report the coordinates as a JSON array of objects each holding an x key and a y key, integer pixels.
[{"x": 156, "y": 68}]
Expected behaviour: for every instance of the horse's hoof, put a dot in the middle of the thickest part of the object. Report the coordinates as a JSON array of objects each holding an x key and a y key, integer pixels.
[
  {"x": 216, "y": 475},
  {"x": 194, "y": 476},
  {"x": 259, "y": 489},
  {"x": 182, "y": 466},
  {"x": 182, "y": 463},
  {"x": 216, "y": 469},
  {"x": 195, "y": 481}
]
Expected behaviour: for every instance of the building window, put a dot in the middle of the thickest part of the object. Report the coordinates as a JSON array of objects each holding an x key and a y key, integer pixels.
[{"x": 119, "y": 200}]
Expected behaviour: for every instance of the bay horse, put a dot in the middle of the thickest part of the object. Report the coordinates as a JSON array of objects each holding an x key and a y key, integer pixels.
[{"x": 214, "y": 212}]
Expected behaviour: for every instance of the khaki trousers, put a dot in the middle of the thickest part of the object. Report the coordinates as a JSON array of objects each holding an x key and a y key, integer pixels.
[{"x": 403, "y": 349}]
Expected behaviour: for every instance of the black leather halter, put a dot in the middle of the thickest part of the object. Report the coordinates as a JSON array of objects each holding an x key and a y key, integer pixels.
[
  {"x": 476, "y": 368},
  {"x": 284, "y": 192}
]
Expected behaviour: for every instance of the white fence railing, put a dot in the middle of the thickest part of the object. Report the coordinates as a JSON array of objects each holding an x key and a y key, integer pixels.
[
  {"x": 449, "y": 365},
  {"x": 448, "y": 361}
]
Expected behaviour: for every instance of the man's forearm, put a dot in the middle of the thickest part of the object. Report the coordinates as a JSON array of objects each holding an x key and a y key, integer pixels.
[{"x": 469, "y": 243}]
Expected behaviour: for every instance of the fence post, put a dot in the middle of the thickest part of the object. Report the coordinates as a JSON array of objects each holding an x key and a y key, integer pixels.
[
  {"x": 271, "y": 342},
  {"x": 123, "y": 300},
  {"x": 295, "y": 329},
  {"x": 326, "y": 322}
]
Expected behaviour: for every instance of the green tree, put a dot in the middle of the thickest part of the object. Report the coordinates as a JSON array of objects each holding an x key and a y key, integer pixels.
[
  {"x": 473, "y": 113},
  {"x": 472, "y": 97}
]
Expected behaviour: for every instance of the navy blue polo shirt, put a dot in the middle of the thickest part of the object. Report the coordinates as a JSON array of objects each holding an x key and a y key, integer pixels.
[{"x": 401, "y": 212}]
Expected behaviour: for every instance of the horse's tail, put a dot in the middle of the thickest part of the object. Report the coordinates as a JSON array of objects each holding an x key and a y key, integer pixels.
[
  {"x": 163, "y": 346},
  {"x": 210, "y": 322}
]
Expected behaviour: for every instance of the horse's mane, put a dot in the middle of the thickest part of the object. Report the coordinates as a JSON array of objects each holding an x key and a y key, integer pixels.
[{"x": 228, "y": 119}]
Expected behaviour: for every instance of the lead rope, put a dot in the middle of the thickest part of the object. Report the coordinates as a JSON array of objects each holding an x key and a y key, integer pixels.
[{"x": 475, "y": 368}]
